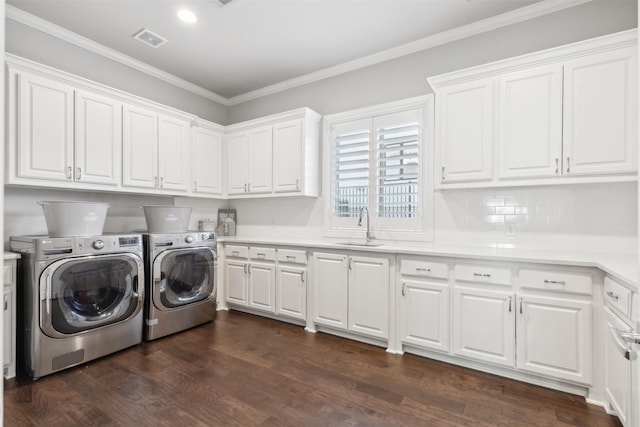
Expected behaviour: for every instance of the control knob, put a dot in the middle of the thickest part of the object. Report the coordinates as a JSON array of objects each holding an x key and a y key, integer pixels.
[
  {"x": 188, "y": 239},
  {"x": 98, "y": 244}
]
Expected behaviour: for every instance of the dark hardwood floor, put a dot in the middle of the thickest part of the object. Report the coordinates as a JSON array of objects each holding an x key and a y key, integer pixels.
[{"x": 248, "y": 371}]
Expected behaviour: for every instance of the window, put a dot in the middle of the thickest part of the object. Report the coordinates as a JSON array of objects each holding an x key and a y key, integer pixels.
[{"x": 376, "y": 160}]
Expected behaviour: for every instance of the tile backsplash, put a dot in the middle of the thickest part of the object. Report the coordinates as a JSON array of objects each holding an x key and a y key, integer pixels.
[{"x": 580, "y": 211}]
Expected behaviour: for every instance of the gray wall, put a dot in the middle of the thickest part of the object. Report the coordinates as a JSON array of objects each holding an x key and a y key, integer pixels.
[
  {"x": 406, "y": 76},
  {"x": 32, "y": 44}
]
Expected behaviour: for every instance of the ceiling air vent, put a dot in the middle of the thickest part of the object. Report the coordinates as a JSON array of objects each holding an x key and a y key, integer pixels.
[
  {"x": 149, "y": 38},
  {"x": 224, "y": 2}
]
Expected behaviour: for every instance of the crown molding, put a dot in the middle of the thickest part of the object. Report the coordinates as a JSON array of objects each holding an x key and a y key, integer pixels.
[
  {"x": 519, "y": 15},
  {"x": 61, "y": 33}
]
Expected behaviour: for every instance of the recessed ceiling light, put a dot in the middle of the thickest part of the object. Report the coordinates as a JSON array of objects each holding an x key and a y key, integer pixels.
[{"x": 187, "y": 16}]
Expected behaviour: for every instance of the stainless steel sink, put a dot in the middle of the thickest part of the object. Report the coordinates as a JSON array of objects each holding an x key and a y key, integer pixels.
[{"x": 361, "y": 243}]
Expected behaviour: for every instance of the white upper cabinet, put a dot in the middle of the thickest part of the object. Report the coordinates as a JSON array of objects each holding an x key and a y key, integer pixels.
[
  {"x": 206, "y": 159},
  {"x": 140, "y": 144},
  {"x": 45, "y": 132},
  {"x": 260, "y": 159},
  {"x": 465, "y": 126},
  {"x": 530, "y": 123},
  {"x": 277, "y": 155},
  {"x": 98, "y": 139},
  {"x": 600, "y": 113},
  {"x": 60, "y": 135},
  {"x": 567, "y": 114},
  {"x": 156, "y": 153}
]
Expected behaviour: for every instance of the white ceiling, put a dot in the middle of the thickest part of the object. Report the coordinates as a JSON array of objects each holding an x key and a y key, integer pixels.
[{"x": 251, "y": 44}]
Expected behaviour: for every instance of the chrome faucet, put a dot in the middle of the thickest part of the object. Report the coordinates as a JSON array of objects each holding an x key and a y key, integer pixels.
[{"x": 370, "y": 235}]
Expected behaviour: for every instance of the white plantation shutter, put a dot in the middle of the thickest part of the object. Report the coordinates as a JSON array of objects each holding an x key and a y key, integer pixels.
[
  {"x": 398, "y": 167},
  {"x": 351, "y": 167},
  {"x": 376, "y": 164}
]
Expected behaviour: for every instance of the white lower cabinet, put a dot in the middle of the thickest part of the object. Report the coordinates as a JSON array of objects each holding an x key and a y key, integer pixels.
[
  {"x": 424, "y": 304},
  {"x": 291, "y": 291},
  {"x": 484, "y": 327},
  {"x": 351, "y": 292},
  {"x": 262, "y": 286},
  {"x": 618, "y": 370},
  {"x": 554, "y": 337},
  {"x": 236, "y": 281},
  {"x": 9, "y": 343}
]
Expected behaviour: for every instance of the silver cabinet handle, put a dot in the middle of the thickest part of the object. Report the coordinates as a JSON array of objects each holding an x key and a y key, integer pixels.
[
  {"x": 162, "y": 182},
  {"x": 291, "y": 258},
  {"x": 245, "y": 188},
  {"x": 481, "y": 275},
  {"x": 249, "y": 268},
  {"x": 520, "y": 305},
  {"x": 403, "y": 285},
  {"x": 249, "y": 187},
  {"x": 509, "y": 304},
  {"x": 350, "y": 263},
  {"x": 245, "y": 267},
  {"x": 442, "y": 173},
  {"x": 302, "y": 278},
  {"x": 69, "y": 172},
  {"x": 155, "y": 181},
  {"x": 79, "y": 173},
  {"x": 195, "y": 185},
  {"x": 556, "y": 165},
  {"x": 297, "y": 184},
  {"x": 235, "y": 253},
  {"x": 6, "y": 302},
  {"x": 612, "y": 295},
  {"x": 261, "y": 254},
  {"x": 554, "y": 282},
  {"x": 423, "y": 269},
  {"x": 568, "y": 166}
]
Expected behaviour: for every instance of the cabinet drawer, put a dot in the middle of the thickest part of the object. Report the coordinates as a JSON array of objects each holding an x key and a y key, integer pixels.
[
  {"x": 265, "y": 254},
  {"x": 8, "y": 275},
  {"x": 236, "y": 251},
  {"x": 556, "y": 281},
  {"x": 482, "y": 274},
  {"x": 617, "y": 296},
  {"x": 292, "y": 256},
  {"x": 438, "y": 270}
]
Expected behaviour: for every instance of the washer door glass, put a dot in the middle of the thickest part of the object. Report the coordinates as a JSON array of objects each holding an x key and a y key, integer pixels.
[
  {"x": 186, "y": 276},
  {"x": 86, "y": 293}
]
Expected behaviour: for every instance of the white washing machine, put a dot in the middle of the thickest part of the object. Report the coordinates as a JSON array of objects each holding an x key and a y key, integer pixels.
[
  {"x": 181, "y": 281},
  {"x": 80, "y": 298}
]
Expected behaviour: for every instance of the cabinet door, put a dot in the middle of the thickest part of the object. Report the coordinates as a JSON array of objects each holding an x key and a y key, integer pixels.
[
  {"x": 369, "y": 296},
  {"x": 554, "y": 337},
  {"x": 173, "y": 154},
  {"x": 140, "y": 148},
  {"x": 236, "y": 279},
  {"x": 287, "y": 157},
  {"x": 262, "y": 286},
  {"x": 484, "y": 325},
  {"x": 291, "y": 292},
  {"x": 260, "y": 160},
  {"x": 8, "y": 344},
  {"x": 237, "y": 166},
  {"x": 530, "y": 123},
  {"x": 465, "y": 131},
  {"x": 617, "y": 369},
  {"x": 330, "y": 289},
  {"x": 424, "y": 314},
  {"x": 206, "y": 161},
  {"x": 45, "y": 133},
  {"x": 98, "y": 139},
  {"x": 600, "y": 113}
]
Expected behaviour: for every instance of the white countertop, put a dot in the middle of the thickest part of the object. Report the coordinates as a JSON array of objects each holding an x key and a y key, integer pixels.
[
  {"x": 11, "y": 255},
  {"x": 622, "y": 267}
]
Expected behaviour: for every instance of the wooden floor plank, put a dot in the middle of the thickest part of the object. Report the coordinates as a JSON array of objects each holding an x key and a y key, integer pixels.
[{"x": 243, "y": 370}]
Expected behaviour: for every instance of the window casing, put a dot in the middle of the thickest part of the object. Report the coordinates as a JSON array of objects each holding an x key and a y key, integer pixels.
[{"x": 377, "y": 158}]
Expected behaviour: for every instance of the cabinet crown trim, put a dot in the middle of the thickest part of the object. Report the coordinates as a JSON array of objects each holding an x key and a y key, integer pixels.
[{"x": 579, "y": 49}]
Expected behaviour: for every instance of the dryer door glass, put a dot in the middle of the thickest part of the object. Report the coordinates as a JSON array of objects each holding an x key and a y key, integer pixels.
[
  {"x": 186, "y": 276},
  {"x": 86, "y": 293}
]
